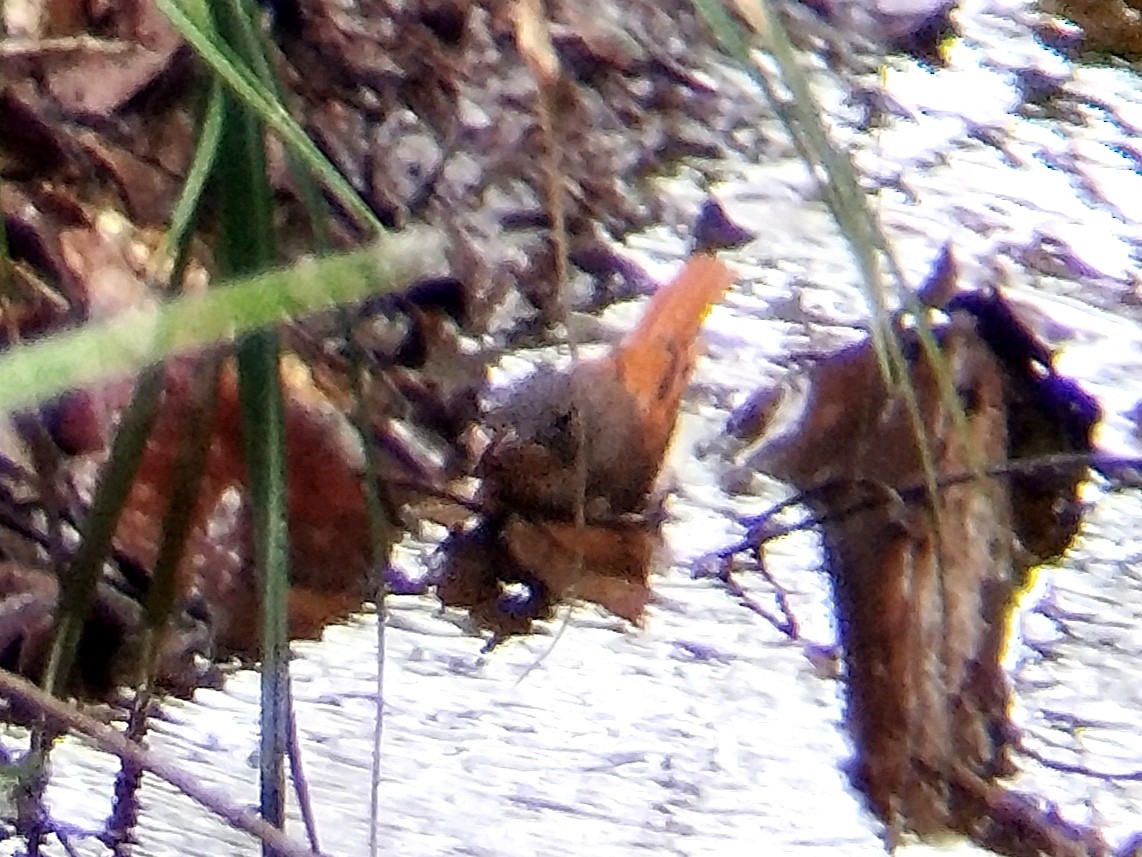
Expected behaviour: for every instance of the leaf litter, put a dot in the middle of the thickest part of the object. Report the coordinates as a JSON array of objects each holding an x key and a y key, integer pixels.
[{"x": 427, "y": 110}]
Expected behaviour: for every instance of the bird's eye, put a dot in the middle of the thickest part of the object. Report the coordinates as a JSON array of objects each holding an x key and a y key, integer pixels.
[{"x": 558, "y": 436}]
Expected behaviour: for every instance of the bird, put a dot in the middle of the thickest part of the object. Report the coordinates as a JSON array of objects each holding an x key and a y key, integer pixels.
[
  {"x": 617, "y": 412},
  {"x": 567, "y": 474}
]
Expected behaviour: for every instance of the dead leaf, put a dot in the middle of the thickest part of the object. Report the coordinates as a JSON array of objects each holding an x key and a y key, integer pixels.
[
  {"x": 923, "y": 598},
  {"x": 607, "y": 565}
]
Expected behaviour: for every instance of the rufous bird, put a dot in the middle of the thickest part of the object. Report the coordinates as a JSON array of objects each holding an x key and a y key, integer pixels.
[
  {"x": 568, "y": 471},
  {"x": 617, "y": 411}
]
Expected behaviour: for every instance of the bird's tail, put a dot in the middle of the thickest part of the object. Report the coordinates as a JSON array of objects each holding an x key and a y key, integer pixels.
[{"x": 656, "y": 359}]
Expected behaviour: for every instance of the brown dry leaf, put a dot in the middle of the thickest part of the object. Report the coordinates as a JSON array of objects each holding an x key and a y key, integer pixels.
[
  {"x": 107, "y": 657},
  {"x": 607, "y": 565},
  {"x": 751, "y": 419},
  {"x": 35, "y": 224},
  {"x": 477, "y": 573},
  {"x": 27, "y": 604},
  {"x": 101, "y": 77},
  {"x": 534, "y": 41},
  {"x": 327, "y": 518},
  {"x": 327, "y": 513},
  {"x": 923, "y": 606},
  {"x": 1110, "y": 26},
  {"x": 99, "y": 84},
  {"x": 922, "y": 613},
  {"x": 105, "y": 281},
  {"x": 329, "y": 550},
  {"x": 508, "y": 574},
  {"x": 148, "y": 192},
  {"x": 1047, "y": 414}
]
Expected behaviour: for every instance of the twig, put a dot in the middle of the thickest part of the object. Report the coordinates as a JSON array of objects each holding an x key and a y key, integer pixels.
[
  {"x": 64, "y": 45},
  {"x": 24, "y": 693},
  {"x": 1015, "y": 820},
  {"x": 1126, "y": 471},
  {"x": 534, "y": 41},
  {"x": 1075, "y": 768},
  {"x": 297, "y": 773}
]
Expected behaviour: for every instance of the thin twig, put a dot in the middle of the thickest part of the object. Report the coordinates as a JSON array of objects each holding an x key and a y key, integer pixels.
[
  {"x": 11, "y": 47},
  {"x": 761, "y": 529},
  {"x": 1134, "y": 776},
  {"x": 787, "y": 625},
  {"x": 534, "y": 40},
  {"x": 297, "y": 772},
  {"x": 23, "y": 693},
  {"x": 1125, "y": 470}
]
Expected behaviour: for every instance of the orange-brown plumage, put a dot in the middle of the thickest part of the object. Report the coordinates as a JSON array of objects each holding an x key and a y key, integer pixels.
[
  {"x": 612, "y": 416},
  {"x": 656, "y": 359}
]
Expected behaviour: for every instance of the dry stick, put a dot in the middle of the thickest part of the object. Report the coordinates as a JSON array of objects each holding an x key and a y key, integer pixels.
[
  {"x": 297, "y": 771},
  {"x": 1125, "y": 470},
  {"x": 21, "y": 47},
  {"x": 65, "y": 843},
  {"x": 22, "y": 692},
  {"x": 47, "y": 465},
  {"x": 534, "y": 40},
  {"x": 46, "y": 462},
  {"x": 177, "y": 520},
  {"x": 1007, "y": 809},
  {"x": 788, "y": 625},
  {"x": 1012, "y": 812},
  {"x": 1075, "y": 768}
]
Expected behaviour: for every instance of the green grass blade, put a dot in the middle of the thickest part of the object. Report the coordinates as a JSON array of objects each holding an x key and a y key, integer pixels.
[
  {"x": 78, "y": 581},
  {"x": 801, "y": 117},
  {"x": 181, "y": 503},
  {"x": 247, "y": 243},
  {"x": 121, "y": 346},
  {"x": 264, "y": 435},
  {"x": 848, "y": 203},
  {"x": 275, "y": 672},
  {"x": 186, "y": 210},
  {"x": 258, "y": 97}
]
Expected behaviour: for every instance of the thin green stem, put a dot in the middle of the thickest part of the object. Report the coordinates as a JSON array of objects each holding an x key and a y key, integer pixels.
[{"x": 121, "y": 346}]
